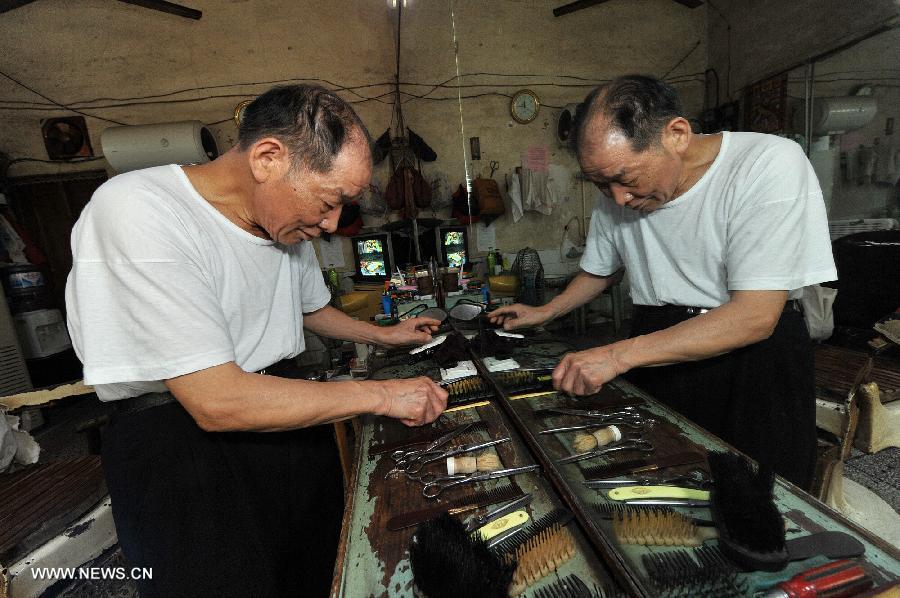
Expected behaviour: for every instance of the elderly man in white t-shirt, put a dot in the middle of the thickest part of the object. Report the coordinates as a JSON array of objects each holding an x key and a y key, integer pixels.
[
  {"x": 718, "y": 234},
  {"x": 186, "y": 283}
]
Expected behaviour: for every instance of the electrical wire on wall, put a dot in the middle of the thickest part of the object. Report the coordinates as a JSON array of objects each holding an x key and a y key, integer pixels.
[
  {"x": 728, "y": 67},
  {"x": 523, "y": 80},
  {"x": 462, "y": 126},
  {"x": 453, "y": 84},
  {"x": 57, "y": 104}
]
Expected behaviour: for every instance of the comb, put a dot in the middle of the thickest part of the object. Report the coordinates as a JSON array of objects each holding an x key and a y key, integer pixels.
[
  {"x": 510, "y": 544},
  {"x": 426, "y": 438},
  {"x": 458, "y": 505},
  {"x": 642, "y": 465}
]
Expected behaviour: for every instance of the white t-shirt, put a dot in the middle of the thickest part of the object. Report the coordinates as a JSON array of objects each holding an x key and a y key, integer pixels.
[
  {"x": 163, "y": 284},
  {"x": 754, "y": 221}
]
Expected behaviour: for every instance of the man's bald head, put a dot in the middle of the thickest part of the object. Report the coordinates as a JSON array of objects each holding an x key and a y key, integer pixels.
[{"x": 637, "y": 107}]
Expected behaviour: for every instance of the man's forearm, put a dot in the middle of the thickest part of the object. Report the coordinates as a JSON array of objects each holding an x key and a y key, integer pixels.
[
  {"x": 584, "y": 288},
  {"x": 225, "y": 398},
  {"x": 334, "y": 323},
  {"x": 748, "y": 318}
]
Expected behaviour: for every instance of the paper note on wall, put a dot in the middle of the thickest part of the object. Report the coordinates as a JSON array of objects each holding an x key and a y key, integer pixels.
[
  {"x": 332, "y": 252},
  {"x": 536, "y": 158},
  {"x": 487, "y": 236}
]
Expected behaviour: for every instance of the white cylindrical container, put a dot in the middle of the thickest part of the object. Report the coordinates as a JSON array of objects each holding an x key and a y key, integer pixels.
[
  {"x": 836, "y": 115},
  {"x": 141, "y": 146}
]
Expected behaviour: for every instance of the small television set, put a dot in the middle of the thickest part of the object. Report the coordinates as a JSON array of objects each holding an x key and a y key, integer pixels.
[
  {"x": 454, "y": 245},
  {"x": 372, "y": 257}
]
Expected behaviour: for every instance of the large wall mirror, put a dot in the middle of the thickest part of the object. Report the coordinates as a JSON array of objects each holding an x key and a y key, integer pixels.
[{"x": 846, "y": 107}]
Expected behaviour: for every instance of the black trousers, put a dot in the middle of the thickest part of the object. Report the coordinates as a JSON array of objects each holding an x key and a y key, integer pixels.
[
  {"x": 760, "y": 398},
  {"x": 223, "y": 514}
]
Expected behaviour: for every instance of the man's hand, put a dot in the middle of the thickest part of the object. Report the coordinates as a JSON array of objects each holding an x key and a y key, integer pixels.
[
  {"x": 414, "y": 402},
  {"x": 585, "y": 372},
  {"x": 414, "y": 331},
  {"x": 520, "y": 316}
]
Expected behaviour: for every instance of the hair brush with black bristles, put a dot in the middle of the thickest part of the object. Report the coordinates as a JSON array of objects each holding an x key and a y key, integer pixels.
[
  {"x": 751, "y": 530},
  {"x": 447, "y": 562}
]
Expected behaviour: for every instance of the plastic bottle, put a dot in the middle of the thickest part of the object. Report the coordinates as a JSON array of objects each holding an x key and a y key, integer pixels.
[
  {"x": 333, "y": 278},
  {"x": 498, "y": 261},
  {"x": 491, "y": 262}
]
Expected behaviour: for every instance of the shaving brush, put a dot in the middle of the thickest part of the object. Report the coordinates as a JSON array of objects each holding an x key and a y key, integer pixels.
[
  {"x": 601, "y": 437},
  {"x": 486, "y": 462}
]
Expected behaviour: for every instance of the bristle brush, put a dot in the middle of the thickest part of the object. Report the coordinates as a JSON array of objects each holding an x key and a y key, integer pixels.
[
  {"x": 540, "y": 556},
  {"x": 486, "y": 462},
  {"x": 648, "y": 527},
  {"x": 601, "y": 437},
  {"x": 571, "y": 586},
  {"x": 696, "y": 572},
  {"x": 511, "y": 544},
  {"x": 447, "y": 562},
  {"x": 751, "y": 530}
]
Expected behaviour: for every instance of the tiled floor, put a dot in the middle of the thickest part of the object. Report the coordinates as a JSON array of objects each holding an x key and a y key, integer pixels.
[{"x": 879, "y": 472}]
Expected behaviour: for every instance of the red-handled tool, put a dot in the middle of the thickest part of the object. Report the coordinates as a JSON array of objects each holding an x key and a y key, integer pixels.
[{"x": 834, "y": 580}]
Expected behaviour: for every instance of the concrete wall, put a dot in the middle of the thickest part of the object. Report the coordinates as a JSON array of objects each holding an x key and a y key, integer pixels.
[{"x": 78, "y": 51}]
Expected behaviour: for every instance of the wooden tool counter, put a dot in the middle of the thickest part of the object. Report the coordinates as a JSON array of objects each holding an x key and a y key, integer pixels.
[{"x": 384, "y": 505}]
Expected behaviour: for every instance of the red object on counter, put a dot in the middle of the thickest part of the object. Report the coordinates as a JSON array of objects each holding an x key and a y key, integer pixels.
[{"x": 834, "y": 580}]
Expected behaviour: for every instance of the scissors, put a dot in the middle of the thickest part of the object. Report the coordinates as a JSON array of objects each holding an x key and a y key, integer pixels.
[
  {"x": 400, "y": 455},
  {"x": 695, "y": 478},
  {"x": 629, "y": 444},
  {"x": 433, "y": 489},
  {"x": 494, "y": 166},
  {"x": 415, "y": 465}
]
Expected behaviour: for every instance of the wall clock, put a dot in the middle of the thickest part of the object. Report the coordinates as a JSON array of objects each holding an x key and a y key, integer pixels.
[
  {"x": 239, "y": 111},
  {"x": 524, "y": 106}
]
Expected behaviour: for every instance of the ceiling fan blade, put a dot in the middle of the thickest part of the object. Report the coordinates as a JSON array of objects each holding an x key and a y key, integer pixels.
[
  {"x": 167, "y": 7},
  {"x": 575, "y": 6},
  {"x": 8, "y": 5},
  {"x": 690, "y": 3}
]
